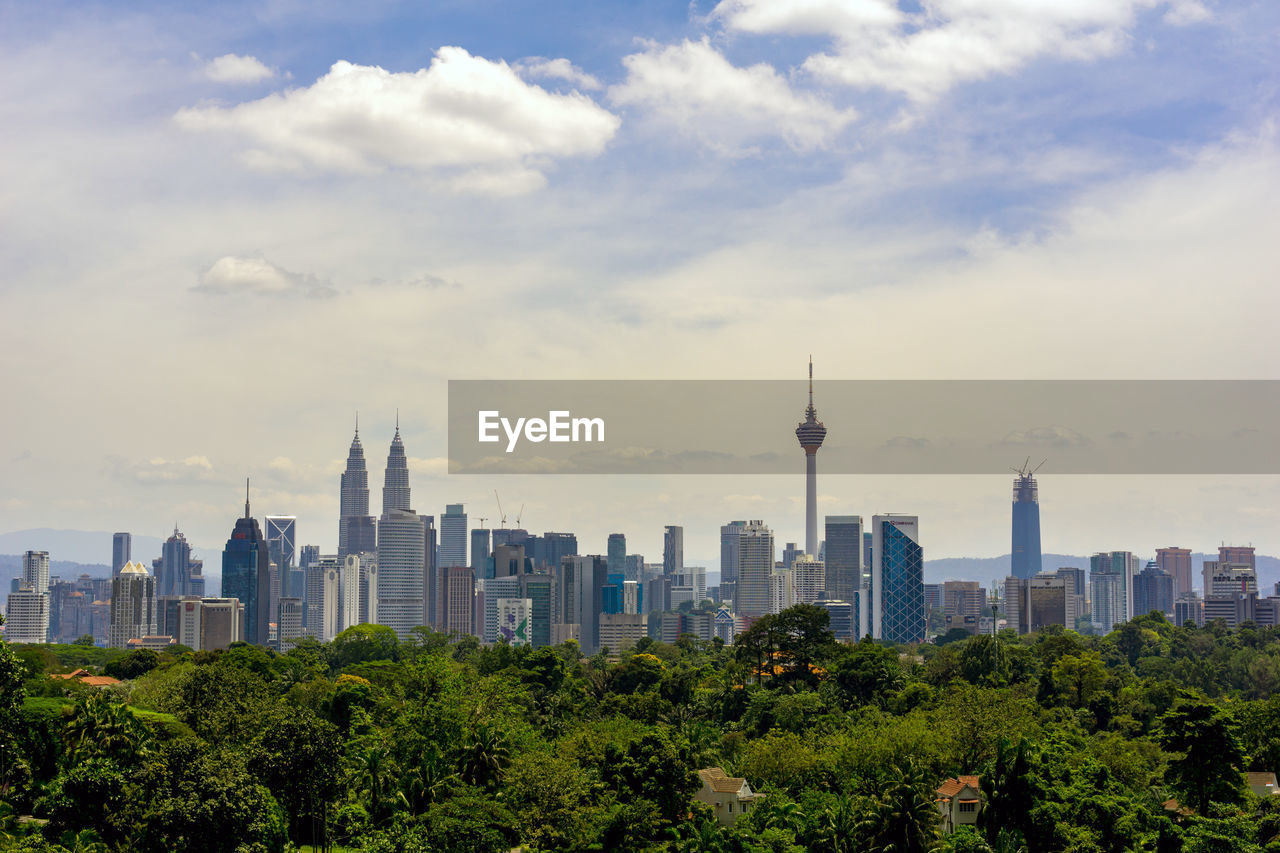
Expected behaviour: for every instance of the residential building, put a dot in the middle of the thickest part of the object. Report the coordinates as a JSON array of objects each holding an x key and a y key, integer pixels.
[
  {"x": 754, "y": 591},
  {"x": 27, "y": 616},
  {"x": 1107, "y": 600},
  {"x": 729, "y": 797},
  {"x": 960, "y": 802},
  {"x": 809, "y": 576}
]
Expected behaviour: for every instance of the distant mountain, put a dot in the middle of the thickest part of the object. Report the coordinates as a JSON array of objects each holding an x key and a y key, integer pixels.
[
  {"x": 79, "y": 546},
  {"x": 11, "y": 567}
]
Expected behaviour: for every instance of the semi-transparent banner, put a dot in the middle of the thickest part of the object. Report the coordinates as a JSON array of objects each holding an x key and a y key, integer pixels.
[{"x": 871, "y": 426}]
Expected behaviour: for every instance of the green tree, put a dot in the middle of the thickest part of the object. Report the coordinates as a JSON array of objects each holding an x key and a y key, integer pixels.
[
  {"x": 96, "y": 727},
  {"x": 297, "y": 756},
  {"x": 904, "y": 818},
  {"x": 868, "y": 674},
  {"x": 132, "y": 665},
  {"x": 484, "y": 756},
  {"x": 363, "y": 643},
  {"x": 1206, "y": 757},
  {"x": 1080, "y": 676}
]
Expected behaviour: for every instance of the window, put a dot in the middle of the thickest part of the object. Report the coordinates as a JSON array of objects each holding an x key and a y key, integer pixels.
[
  {"x": 968, "y": 807},
  {"x": 730, "y": 808}
]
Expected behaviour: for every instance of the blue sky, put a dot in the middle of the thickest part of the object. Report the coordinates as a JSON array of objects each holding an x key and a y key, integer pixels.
[{"x": 309, "y": 208}]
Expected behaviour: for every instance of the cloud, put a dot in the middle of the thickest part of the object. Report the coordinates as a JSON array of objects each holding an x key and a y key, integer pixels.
[
  {"x": 259, "y": 277},
  {"x": 908, "y": 442},
  {"x": 923, "y": 54},
  {"x": 557, "y": 69},
  {"x": 231, "y": 68},
  {"x": 692, "y": 87},
  {"x": 1047, "y": 436},
  {"x": 192, "y": 469},
  {"x": 465, "y": 119}
]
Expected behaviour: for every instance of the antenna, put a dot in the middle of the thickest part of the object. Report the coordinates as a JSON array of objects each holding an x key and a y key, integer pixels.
[
  {"x": 357, "y": 423},
  {"x": 811, "y": 380},
  {"x": 397, "y": 419},
  {"x": 246, "y": 498}
]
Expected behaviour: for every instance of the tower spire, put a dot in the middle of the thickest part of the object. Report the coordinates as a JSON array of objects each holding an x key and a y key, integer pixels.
[
  {"x": 811, "y": 380},
  {"x": 397, "y": 420},
  {"x": 246, "y": 497},
  {"x": 357, "y": 423}
]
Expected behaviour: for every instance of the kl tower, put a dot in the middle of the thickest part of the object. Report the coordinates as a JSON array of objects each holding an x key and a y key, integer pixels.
[{"x": 810, "y": 433}]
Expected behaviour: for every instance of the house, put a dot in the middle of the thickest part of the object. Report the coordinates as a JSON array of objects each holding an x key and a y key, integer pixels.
[
  {"x": 83, "y": 676},
  {"x": 728, "y": 796},
  {"x": 1262, "y": 784},
  {"x": 959, "y": 801}
]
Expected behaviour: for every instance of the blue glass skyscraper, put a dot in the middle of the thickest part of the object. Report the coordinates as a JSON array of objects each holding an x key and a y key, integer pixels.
[
  {"x": 1025, "y": 559},
  {"x": 245, "y": 574},
  {"x": 897, "y": 580}
]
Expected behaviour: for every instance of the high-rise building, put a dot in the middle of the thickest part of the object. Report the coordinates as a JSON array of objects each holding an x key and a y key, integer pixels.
[
  {"x": 582, "y": 582},
  {"x": 617, "y": 554},
  {"x": 810, "y": 433},
  {"x": 453, "y": 536},
  {"x": 35, "y": 570},
  {"x": 246, "y": 575},
  {"x": 457, "y": 599},
  {"x": 350, "y": 584},
  {"x": 431, "y": 580},
  {"x": 1176, "y": 562},
  {"x": 672, "y": 549},
  {"x": 121, "y": 551},
  {"x": 288, "y": 623},
  {"x": 1048, "y": 600},
  {"x": 1124, "y": 564},
  {"x": 809, "y": 576},
  {"x": 1238, "y": 554},
  {"x": 1107, "y": 597},
  {"x": 844, "y": 567},
  {"x": 282, "y": 537},
  {"x": 27, "y": 615},
  {"x": 633, "y": 569},
  {"x": 356, "y": 527},
  {"x": 1076, "y": 582},
  {"x": 754, "y": 592},
  {"x": 1153, "y": 591},
  {"x": 176, "y": 572},
  {"x": 789, "y": 554},
  {"x": 133, "y": 605},
  {"x": 1025, "y": 561},
  {"x": 688, "y": 584},
  {"x": 480, "y": 552},
  {"x": 963, "y": 603},
  {"x": 400, "y": 571},
  {"x": 550, "y": 550},
  {"x": 395, "y": 483},
  {"x": 729, "y": 559},
  {"x": 221, "y": 620},
  {"x": 897, "y": 579},
  {"x": 1016, "y": 603}
]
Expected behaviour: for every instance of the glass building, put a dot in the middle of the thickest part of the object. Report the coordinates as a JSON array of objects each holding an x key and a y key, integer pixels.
[
  {"x": 1025, "y": 560},
  {"x": 245, "y": 575},
  {"x": 897, "y": 580}
]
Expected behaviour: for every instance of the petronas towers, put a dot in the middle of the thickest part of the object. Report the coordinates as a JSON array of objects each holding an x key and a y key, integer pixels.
[{"x": 356, "y": 531}]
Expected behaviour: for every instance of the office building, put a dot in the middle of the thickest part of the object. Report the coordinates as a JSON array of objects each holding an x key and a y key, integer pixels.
[
  {"x": 1107, "y": 599},
  {"x": 480, "y": 552},
  {"x": 176, "y": 572},
  {"x": 689, "y": 584},
  {"x": 453, "y": 537},
  {"x": 789, "y": 554},
  {"x": 1188, "y": 609},
  {"x": 634, "y": 568},
  {"x": 1047, "y": 594},
  {"x": 729, "y": 551},
  {"x": 1238, "y": 555},
  {"x": 1016, "y": 604},
  {"x": 1153, "y": 591},
  {"x": 351, "y": 580},
  {"x": 810, "y": 433},
  {"x": 1025, "y": 560},
  {"x": 431, "y": 578},
  {"x": 897, "y": 579},
  {"x": 582, "y": 581},
  {"x": 844, "y": 566},
  {"x": 282, "y": 534},
  {"x": 357, "y": 530},
  {"x": 782, "y": 590},
  {"x": 121, "y": 551},
  {"x": 1076, "y": 583},
  {"x": 323, "y": 617},
  {"x": 288, "y": 623},
  {"x": 550, "y": 550},
  {"x": 27, "y": 615},
  {"x": 1229, "y": 579},
  {"x": 221, "y": 620},
  {"x": 617, "y": 554},
  {"x": 620, "y": 631},
  {"x": 754, "y": 591},
  {"x": 1124, "y": 564},
  {"x": 842, "y": 618},
  {"x": 395, "y": 480},
  {"x": 133, "y": 605},
  {"x": 514, "y": 618},
  {"x": 489, "y": 591},
  {"x": 457, "y": 600},
  {"x": 246, "y": 575},
  {"x": 184, "y": 622},
  {"x": 509, "y": 560},
  {"x": 368, "y": 585},
  {"x": 1176, "y": 562},
  {"x": 963, "y": 604},
  {"x": 672, "y": 549}
]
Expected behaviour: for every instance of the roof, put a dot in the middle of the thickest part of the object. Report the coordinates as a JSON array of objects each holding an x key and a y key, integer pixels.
[
  {"x": 951, "y": 787},
  {"x": 715, "y": 778},
  {"x": 1258, "y": 779},
  {"x": 85, "y": 677},
  {"x": 134, "y": 568}
]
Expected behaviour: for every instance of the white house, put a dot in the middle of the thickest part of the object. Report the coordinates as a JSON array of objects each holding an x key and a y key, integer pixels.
[
  {"x": 729, "y": 796},
  {"x": 959, "y": 800}
]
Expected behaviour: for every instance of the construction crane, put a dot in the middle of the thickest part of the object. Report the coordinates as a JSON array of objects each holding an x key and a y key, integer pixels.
[
  {"x": 482, "y": 520},
  {"x": 501, "y": 514},
  {"x": 519, "y": 516}
]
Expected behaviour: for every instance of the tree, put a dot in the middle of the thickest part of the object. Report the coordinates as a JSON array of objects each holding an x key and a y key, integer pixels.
[
  {"x": 132, "y": 665},
  {"x": 1080, "y": 675},
  {"x": 96, "y": 727},
  {"x": 903, "y": 819},
  {"x": 484, "y": 756},
  {"x": 868, "y": 674},
  {"x": 985, "y": 661},
  {"x": 296, "y": 755},
  {"x": 804, "y": 641},
  {"x": 363, "y": 643},
  {"x": 1207, "y": 759}
]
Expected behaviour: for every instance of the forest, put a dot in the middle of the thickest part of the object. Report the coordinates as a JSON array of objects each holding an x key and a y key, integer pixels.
[{"x": 1137, "y": 740}]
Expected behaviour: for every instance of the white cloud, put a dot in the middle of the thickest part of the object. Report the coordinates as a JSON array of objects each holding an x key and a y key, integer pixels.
[
  {"x": 463, "y": 113},
  {"x": 922, "y": 55},
  {"x": 160, "y": 470},
  {"x": 693, "y": 87},
  {"x": 231, "y": 68},
  {"x": 259, "y": 277},
  {"x": 557, "y": 69}
]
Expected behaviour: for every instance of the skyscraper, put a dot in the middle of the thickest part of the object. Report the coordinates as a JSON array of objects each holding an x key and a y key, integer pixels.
[
  {"x": 245, "y": 574},
  {"x": 1025, "y": 561},
  {"x": 176, "y": 573},
  {"x": 133, "y": 605},
  {"x": 810, "y": 433},
  {"x": 35, "y": 570},
  {"x": 431, "y": 580},
  {"x": 28, "y": 607},
  {"x": 617, "y": 554},
  {"x": 282, "y": 536},
  {"x": 582, "y": 581},
  {"x": 401, "y": 564},
  {"x": 729, "y": 560},
  {"x": 897, "y": 579},
  {"x": 844, "y": 558},
  {"x": 356, "y": 528},
  {"x": 1177, "y": 563},
  {"x": 121, "y": 551},
  {"x": 754, "y": 590},
  {"x": 480, "y": 552},
  {"x": 395, "y": 483},
  {"x": 672, "y": 549},
  {"x": 453, "y": 536}
]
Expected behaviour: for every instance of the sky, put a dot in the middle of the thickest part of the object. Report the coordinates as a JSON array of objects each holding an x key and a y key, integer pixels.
[{"x": 227, "y": 227}]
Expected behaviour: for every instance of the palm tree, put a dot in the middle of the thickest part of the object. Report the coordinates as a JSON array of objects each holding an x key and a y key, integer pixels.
[
  {"x": 904, "y": 818},
  {"x": 837, "y": 828},
  {"x": 701, "y": 836},
  {"x": 373, "y": 773},
  {"x": 427, "y": 783},
  {"x": 485, "y": 755},
  {"x": 98, "y": 727}
]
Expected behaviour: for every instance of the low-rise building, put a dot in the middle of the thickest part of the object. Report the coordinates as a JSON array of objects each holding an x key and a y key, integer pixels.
[
  {"x": 729, "y": 796},
  {"x": 960, "y": 802}
]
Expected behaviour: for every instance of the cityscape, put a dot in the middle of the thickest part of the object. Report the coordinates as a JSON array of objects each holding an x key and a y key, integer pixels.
[{"x": 730, "y": 426}]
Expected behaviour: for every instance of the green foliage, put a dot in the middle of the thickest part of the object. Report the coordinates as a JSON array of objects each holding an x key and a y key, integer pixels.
[
  {"x": 1206, "y": 757},
  {"x": 132, "y": 665}
]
